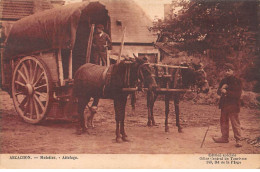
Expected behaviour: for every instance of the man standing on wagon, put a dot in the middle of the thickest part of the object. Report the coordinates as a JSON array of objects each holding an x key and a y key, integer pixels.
[
  {"x": 101, "y": 43},
  {"x": 230, "y": 89}
]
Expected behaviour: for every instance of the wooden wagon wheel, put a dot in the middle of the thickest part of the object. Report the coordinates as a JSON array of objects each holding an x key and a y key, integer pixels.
[{"x": 31, "y": 89}]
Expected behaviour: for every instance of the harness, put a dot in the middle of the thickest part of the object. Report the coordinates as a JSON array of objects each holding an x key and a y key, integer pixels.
[{"x": 106, "y": 76}]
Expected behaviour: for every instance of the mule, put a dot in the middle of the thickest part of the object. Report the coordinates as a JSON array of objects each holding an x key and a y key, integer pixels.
[
  {"x": 107, "y": 82},
  {"x": 193, "y": 77}
]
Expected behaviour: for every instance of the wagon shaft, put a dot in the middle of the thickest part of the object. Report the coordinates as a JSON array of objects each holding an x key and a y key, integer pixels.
[
  {"x": 170, "y": 90},
  {"x": 166, "y": 66}
]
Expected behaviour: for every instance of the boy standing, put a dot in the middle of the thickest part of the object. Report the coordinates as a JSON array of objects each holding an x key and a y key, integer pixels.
[{"x": 230, "y": 90}]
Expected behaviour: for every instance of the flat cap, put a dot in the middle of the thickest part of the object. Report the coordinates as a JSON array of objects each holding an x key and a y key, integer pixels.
[
  {"x": 100, "y": 26},
  {"x": 229, "y": 66}
]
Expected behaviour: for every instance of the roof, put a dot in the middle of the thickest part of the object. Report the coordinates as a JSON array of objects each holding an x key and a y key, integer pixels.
[
  {"x": 131, "y": 16},
  {"x": 17, "y": 9},
  {"x": 55, "y": 28}
]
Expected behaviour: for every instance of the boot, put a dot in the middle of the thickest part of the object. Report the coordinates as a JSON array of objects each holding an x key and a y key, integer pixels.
[
  {"x": 220, "y": 140},
  {"x": 238, "y": 143},
  {"x": 80, "y": 130}
]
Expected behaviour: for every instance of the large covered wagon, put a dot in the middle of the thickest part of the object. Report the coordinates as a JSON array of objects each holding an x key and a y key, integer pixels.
[{"x": 42, "y": 53}]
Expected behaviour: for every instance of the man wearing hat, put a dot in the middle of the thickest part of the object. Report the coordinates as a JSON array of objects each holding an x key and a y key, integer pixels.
[
  {"x": 230, "y": 90},
  {"x": 101, "y": 41}
]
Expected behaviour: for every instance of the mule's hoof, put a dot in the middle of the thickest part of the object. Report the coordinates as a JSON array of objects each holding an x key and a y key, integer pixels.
[
  {"x": 149, "y": 124},
  {"x": 91, "y": 126},
  {"x": 118, "y": 139},
  {"x": 80, "y": 131},
  {"x": 132, "y": 114},
  {"x": 180, "y": 130},
  {"x": 167, "y": 129},
  {"x": 154, "y": 124},
  {"x": 125, "y": 139}
]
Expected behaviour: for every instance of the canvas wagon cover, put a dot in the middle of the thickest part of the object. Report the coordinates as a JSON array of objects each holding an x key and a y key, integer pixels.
[{"x": 55, "y": 28}]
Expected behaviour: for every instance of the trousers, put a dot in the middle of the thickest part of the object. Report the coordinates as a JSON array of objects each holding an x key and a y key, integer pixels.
[
  {"x": 97, "y": 56},
  {"x": 224, "y": 124}
]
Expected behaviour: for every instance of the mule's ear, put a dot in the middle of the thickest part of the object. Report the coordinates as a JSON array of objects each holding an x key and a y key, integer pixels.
[
  {"x": 201, "y": 65},
  {"x": 184, "y": 64},
  {"x": 196, "y": 66}
]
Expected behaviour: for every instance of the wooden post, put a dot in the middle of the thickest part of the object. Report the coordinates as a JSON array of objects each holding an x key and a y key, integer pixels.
[
  {"x": 90, "y": 39},
  {"x": 166, "y": 70},
  {"x": 108, "y": 59},
  {"x": 60, "y": 68},
  {"x": 122, "y": 45},
  {"x": 2, "y": 67},
  {"x": 70, "y": 65},
  {"x": 127, "y": 75}
]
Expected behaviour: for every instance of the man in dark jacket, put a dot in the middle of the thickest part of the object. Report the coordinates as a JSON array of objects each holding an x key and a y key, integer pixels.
[
  {"x": 230, "y": 89},
  {"x": 101, "y": 43}
]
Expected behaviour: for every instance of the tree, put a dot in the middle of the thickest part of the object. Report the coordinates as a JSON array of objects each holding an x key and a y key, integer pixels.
[{"x": 224, "y": 30}]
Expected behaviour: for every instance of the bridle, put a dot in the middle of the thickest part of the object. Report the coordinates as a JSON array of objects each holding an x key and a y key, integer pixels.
[{"x": 140, "y": 72}]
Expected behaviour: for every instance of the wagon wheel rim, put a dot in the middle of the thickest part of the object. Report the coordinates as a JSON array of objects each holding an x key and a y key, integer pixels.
[{"x": 31, "y": 89}]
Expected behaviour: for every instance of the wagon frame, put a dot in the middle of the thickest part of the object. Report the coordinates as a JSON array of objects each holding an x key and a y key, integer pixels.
[{"x": 42, "y": 51}]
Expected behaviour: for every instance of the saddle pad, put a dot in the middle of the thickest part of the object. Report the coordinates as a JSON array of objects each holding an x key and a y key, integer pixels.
[{"x": 91, "y": 74}]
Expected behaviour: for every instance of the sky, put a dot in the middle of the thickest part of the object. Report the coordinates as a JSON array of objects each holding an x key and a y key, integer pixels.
[{"x": 151, "y": 7}]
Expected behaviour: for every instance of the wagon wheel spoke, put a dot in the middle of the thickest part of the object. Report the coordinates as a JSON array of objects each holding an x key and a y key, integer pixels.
[
  {"x": 41, "y": 86},
  {"x": 34, "y": 72},
  {"x": 38, "y": 79},
  {"x": 42, "y": 95},
  {"x": 39, "y": 102},
  {"x": 22, "y": 75},
  {"x": 36, "y": 108},
  {"x": 19, "y": 93},
  {"x": 31, "y": 107},
  {"x": 19, "y": 83},
  {"x": 30, "y": 71},
  {"x": 20, "y": 88},
  {"x": 27, "y": 106},
  {"x": 26, "y": 71},
  {"x": 24, "y": 101}
]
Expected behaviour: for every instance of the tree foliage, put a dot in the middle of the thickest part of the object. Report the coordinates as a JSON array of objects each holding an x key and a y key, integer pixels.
[{"x": 224, "y": 30}]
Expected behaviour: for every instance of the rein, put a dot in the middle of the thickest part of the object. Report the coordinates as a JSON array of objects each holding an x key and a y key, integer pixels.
[
  {"x": 140, "y": 72},
  {"x": 177, "y": 78}
]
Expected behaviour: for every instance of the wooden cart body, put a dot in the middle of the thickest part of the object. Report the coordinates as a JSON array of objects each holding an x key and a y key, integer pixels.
[{"x": 41, "y": 54}]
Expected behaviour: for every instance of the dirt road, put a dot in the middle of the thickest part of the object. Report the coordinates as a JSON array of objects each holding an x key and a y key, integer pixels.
[{"x": 55, "y": 136}]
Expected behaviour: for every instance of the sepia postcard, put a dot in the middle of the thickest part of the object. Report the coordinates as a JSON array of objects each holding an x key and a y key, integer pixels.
[{"x": 129, "y": 84}]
